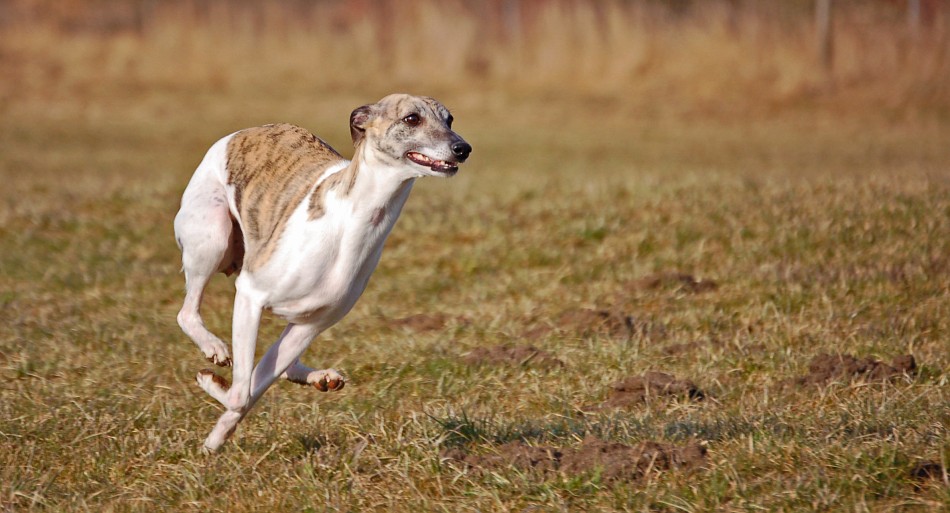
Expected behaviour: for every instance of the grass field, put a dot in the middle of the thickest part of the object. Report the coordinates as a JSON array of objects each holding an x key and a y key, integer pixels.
[{"x": 725, "y": 245}]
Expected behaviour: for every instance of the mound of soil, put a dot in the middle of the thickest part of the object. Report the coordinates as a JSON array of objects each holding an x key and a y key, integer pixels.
[
  {"x": 682, "y": 282},
  {"x": 635, "y": 390},
  {"x": 421, "y": 323},
  {"x": 615, "y": 462},
  {"x": 536, "y": 332},
  {"x": 825, "y": 368},
  {"x": 512, "y": 356},
  {"x": 585, "y": 320},
  {"x": 619, "y": 462}
]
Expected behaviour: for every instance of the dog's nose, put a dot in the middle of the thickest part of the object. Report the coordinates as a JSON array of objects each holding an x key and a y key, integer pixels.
[{"x": 461, "y": 150}]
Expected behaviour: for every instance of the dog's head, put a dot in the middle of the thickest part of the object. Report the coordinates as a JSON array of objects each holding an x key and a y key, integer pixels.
[{"x": 410, "y": 131}]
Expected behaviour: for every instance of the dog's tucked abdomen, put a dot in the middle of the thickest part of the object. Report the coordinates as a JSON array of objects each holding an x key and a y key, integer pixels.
[{"x": 272, "y": 169}]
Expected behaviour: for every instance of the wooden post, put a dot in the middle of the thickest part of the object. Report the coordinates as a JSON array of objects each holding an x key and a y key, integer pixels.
[
  {"x": 511, "y": 19},
  {"x": 823, "y": 24},
  {"x": 913, "y": 17}
]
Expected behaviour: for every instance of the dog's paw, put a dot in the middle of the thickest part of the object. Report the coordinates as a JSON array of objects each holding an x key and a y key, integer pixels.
[
  {"x": 326, "y": 380},
  {"x": 207, "y": 377},
  {"x": 215, "y": 440},
  {"x": 214, "y": 385},
  {"x": 323, "y": 380},
  {"x": 220, "y": 361},
  {"x": 218, "y": 355}
]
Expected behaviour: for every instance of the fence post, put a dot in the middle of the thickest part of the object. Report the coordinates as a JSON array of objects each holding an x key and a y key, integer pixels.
[
  {"x": 913, "y": 17},
  {"x": 511, "y": 19},
  {"x": 823, "y": 24}
]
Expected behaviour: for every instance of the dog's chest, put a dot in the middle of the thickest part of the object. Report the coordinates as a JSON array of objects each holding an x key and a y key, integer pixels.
[{"x": 321, "y": 267}]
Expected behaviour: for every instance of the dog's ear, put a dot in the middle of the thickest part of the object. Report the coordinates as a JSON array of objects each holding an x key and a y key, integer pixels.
[{"x": 359, "y": 120}]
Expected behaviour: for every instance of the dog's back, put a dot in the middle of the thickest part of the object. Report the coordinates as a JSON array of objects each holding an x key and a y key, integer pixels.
[{"x": 272, "y": 169}]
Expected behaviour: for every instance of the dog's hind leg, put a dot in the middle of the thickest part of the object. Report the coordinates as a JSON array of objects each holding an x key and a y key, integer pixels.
[
  {"x": 238, "y": 400},
  {"x": 190, "y": 321},
  {"x": 210, "y": 242}
]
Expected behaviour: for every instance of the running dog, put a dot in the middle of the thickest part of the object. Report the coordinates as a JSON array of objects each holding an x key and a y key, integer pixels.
[{"x": 304, "y": 229}]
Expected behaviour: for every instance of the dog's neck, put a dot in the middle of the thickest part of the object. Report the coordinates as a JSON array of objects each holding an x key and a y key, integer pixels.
[{"x": 379, "y": 184}]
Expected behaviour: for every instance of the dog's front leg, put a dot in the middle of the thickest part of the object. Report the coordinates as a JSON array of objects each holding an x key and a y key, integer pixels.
[
  {"x": 292, "y": 343},
  {"x": 247, "y": 319}
]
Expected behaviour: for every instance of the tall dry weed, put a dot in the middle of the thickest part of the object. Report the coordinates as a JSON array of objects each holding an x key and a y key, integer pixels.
[{"x": 716, "y": 55}]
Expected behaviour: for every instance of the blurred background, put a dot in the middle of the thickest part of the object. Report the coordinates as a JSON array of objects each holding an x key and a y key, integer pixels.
[
  {"x": 710, "y": 57},
  {"x": 738, "y": 85},
  {"x": 126, "y": 94}
]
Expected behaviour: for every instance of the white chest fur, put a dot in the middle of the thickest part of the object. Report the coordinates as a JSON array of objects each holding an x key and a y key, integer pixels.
[{"x": 320, "y": 267}]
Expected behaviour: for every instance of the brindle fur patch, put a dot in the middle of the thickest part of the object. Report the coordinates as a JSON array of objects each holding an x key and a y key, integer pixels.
[
  {"x": 345, "y": 179},
  {"x": 272, "y": 168}
]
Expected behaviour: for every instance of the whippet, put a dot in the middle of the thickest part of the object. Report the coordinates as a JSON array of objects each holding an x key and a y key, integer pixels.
[{"x": 304, "y": 229}]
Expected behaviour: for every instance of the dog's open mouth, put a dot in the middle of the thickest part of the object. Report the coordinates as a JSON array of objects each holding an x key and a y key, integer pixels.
[{"x": 442, "y": 166}]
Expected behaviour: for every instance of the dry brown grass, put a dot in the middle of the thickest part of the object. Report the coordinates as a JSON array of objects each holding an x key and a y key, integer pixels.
[{"x": 821, "y": 211}]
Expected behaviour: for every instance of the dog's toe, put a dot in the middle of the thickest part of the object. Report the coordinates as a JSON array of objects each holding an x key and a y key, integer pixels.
[
  {"x": 322, "y": 384},
  {"x": 336, "y": 384},
  {"x": 329, "y": 382},
  {"x": 221, "y": 361}
]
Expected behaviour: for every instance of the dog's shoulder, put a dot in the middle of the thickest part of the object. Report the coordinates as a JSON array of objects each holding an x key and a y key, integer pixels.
[
  {"x": 271, "y": 170},
  {"x": 270, "y": 152}
]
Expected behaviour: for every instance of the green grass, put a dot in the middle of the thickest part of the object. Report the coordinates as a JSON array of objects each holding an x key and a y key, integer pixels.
[{"x": 824, "y": 235}]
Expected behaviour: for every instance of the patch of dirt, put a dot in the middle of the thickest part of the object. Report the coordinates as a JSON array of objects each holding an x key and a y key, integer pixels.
[
  {"x": 512, "y": 355},
  {"x": 635, "y": 390},
  {"x": 585, "y": 320},
  {"x": 536, "y": 332},
  {"x": 620, "y": 462},
  {"x": 613, "y": 461},
  {"x": 424, "y": 322},
  {"x": 681, "y": 282},
  {"x": 825, "y": 368}
]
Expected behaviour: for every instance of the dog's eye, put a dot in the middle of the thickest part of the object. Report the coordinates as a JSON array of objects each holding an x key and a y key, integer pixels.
[
  {"x": 412, "y": 120},
  {"x": 449, "y": 121}
]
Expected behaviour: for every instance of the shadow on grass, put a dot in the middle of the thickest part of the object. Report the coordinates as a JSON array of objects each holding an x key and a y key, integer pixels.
[{"x": 462, "y": 430}]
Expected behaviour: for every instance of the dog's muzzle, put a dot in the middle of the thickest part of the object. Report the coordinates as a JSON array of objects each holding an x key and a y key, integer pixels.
[
  {"x": 442, "y": 166},
  {"x": 460, "y": 150}
]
